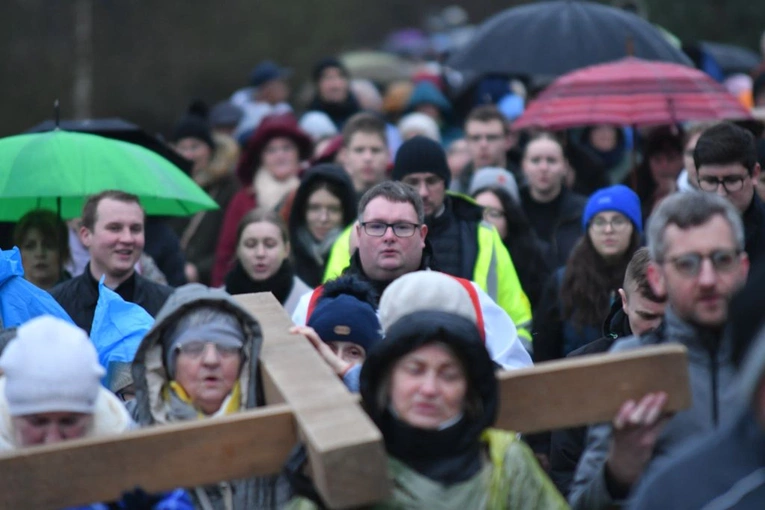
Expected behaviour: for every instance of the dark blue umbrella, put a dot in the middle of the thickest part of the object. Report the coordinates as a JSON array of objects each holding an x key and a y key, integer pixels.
[
  {"x": 117, "y": 129},
  {"x": 730, "y": 59},
  {"x": 553, "y": 38}
]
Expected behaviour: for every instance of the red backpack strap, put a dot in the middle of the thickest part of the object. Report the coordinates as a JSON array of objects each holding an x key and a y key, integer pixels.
[
  {"x": 468, "y": 285},
  {"x": 315, "y": 296}
]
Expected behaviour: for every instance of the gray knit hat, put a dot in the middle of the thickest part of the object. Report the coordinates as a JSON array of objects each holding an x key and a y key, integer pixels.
[
  {"x": 207, "y": 324},
  {"x": 491, "y": 176}
]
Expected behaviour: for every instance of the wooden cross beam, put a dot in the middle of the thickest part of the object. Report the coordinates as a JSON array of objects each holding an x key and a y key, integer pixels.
[
  {"x": 308, "y": 402},
  {"x": 346, "y": 453},
  {"x": 590, "y": 389},
  {"x": 157, "y": 459}
]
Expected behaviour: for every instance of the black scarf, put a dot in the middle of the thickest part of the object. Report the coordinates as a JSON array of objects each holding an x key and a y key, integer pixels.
[
  {"x": 338, "y": 112},
  {"x": 379, "y": 285},
  {"x": 280, "y": 284},
  {"x": 447, "y": 456}
]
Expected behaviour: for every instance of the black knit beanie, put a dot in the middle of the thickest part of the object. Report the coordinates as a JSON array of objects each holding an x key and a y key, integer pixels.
[
  {"x": 194, "y": 125},
  {"x": 327, "y": 63},
  {"x": 421, "y": 154}
]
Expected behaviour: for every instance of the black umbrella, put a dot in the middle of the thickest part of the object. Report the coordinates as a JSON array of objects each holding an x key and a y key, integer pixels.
[
  {"x": 732, "y": 59},
  {"x": 118, "y": 129},
  {"x": 553, "y": 38}
]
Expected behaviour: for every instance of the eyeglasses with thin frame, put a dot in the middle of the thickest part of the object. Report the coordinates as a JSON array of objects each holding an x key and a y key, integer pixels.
[
  {"x": 689, "y": 264},
  {"x": 196, "y": 349},
  {"x": 493, "y": 213},
  {"x": 318, "y": 209},
  {"x": 378, "y": 228},
  {"x": 618, "y": 224},
  {"x": 488, "y": 138},
  {"x": 731, "y": 183},
  {"x": 430, "y": 181}
]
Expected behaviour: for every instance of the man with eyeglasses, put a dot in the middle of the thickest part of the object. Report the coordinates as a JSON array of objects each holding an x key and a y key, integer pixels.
[
  {"x": 726, "y": 158},
  {"x": 391, "y": 235},
  {"x": 463, "y": 244},
  {"x": 696, "y": 242}
]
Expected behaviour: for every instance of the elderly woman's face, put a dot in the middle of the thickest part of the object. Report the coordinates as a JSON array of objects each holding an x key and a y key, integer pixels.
[
  {"x": 50, "y": 428},
  {"x": 207, "y": 372},
  {"x": 428, "y": 387}
]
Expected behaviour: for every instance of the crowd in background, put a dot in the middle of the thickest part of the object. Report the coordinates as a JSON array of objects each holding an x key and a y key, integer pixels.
[{"x": 419, "y": 245}]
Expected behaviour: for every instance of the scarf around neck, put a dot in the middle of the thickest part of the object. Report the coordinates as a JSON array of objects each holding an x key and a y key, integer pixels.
[
  {"x": 448, "y": 456},
  {"x": 182, "y": 409},
  {"x": 280, "y": 284},
  {"x": 317, "y": 250}
]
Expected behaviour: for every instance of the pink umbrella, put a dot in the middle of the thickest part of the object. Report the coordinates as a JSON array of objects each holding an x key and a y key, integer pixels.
[{"x": 632, "y": 92}]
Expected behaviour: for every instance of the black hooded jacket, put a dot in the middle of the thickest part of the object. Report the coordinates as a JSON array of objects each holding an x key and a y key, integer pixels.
[
  {"x": 564, "y": 217},
  {"x": 567, "y": 445},
  {"x": 306, "y": 266},
  {"x": 454, "y": 236},
  {"x": 754, "y": 231}
]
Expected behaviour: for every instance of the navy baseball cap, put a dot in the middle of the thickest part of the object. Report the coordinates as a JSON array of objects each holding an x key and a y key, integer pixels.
[{"x": 267, "y": 71}]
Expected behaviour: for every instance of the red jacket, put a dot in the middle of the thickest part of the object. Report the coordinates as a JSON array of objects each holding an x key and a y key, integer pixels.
[{"x": 225, "y": 252}]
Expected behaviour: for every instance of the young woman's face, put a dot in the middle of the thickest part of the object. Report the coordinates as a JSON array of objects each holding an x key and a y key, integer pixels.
[
  {"x": 281, "y": 158},
  {"x": 604, "y": 137},
  {"x": 493, "y": 212},
  {"x": 666, "y": 164},
  {"x": 544, "y": 167},
  {"x": 323, "y": 213},
  {"x": 610, "y": 233},
  {"x": 261, "y": 250}
]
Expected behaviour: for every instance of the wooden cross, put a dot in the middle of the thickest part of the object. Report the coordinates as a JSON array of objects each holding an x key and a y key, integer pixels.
[{"x": 307, "y": 402}]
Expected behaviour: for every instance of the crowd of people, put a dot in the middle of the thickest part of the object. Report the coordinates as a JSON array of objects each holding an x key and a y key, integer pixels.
[{"x": 418, "y": 253}]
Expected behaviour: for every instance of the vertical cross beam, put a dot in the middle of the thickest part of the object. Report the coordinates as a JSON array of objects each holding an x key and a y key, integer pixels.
[{"x": 346, "y": 452}]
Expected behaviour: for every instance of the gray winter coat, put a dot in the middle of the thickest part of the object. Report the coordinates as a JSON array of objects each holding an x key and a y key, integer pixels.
[
  {"x": 714, "y": 401},
  {"x": 150, "y": 379}
]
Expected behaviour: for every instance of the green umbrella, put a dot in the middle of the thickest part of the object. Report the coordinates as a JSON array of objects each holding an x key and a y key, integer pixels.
[{"x": 58, "y": 170}]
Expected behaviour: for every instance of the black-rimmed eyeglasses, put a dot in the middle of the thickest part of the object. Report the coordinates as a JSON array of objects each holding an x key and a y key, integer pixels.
[
  {"x": 378, "y": 228},
  {"x": 731, "y": 183}
]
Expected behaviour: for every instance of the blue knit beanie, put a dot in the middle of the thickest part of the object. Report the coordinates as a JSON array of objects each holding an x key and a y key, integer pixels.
[
  {"x": 345, "y": 313},
  {"x": 617, "y": 198},
  {"x": 346, "y": 319}
]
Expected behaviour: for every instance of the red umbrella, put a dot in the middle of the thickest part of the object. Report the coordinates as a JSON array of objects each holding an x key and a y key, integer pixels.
[{"x": 632, "y": 92}]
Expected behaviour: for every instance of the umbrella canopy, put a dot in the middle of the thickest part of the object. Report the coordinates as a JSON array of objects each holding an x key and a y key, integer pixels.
[
  {"x": 730, "y": 58},
  {"x": 378, "y": 66},
  {"x": 631, "y": 92},
  {"x": 118, "y": 129},
  {"x": 58, "y": 170},
  {"x": 553, "y": 38}
]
